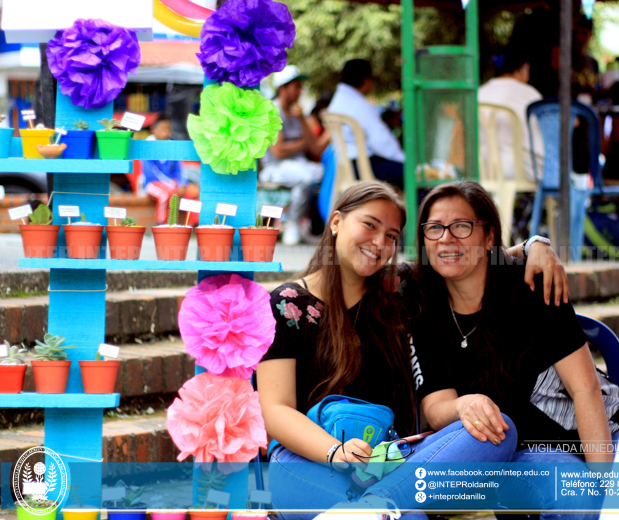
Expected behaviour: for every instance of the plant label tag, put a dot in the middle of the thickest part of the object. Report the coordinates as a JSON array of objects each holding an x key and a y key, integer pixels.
[
  {"x": 226, "y": 209},
  {"x": 60, "y": 131},
  {"x": 34, "y": 488},
  {"x": 132, "y": 121},
  {"x": 69, "y": 211},
  {"x": 28, "y": 115},
  {"x": 111, "y": 351},
  {"x": 271, "y": 211},
  {"x": 218, "y": 497},
  {"x": 260, "y": 497},
  {"x": 112, "y": 494},
  {"x": 110, "y": 212},
  {"x": 20, "y": 212},
  {"x": 4, "y": 351},
  {"x": 194, "y": 206}
]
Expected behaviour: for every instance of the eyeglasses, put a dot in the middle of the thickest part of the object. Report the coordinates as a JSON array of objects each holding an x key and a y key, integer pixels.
[
  {"x": 396, "y": 450},
  {"x": 458, "y": 229}
]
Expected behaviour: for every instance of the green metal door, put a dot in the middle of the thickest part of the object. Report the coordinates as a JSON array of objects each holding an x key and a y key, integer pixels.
[{"x": 440, "y": 109}]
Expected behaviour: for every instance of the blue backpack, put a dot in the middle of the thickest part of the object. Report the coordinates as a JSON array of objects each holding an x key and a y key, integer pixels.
[{"x": 357, "y": 418}]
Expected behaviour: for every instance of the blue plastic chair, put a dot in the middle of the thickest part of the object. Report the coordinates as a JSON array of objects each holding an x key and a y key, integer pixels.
[
  {"x": 325, "y": 195},
  {"x": 547, "y": 113},
  {"x": 603, "y": 339}
]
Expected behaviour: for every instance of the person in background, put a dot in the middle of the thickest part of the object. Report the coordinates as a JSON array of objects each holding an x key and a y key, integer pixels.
[
  {"x": 321, "y": 133},
  {"x": 511, "y": 90},
  {"x": 162, "y": 179},
  {"x": 386, "y": 154},
  {"x": 286, "y": 162}
]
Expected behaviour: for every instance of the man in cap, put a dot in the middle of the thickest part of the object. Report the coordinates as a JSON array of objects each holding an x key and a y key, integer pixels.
[{"x": 286, "y": 162}]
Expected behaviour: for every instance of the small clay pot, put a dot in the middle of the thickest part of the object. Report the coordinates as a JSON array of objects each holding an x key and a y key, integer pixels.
[{"x": 51, "y": 151}]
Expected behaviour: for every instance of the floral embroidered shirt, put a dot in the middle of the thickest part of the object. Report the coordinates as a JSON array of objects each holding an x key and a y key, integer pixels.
[{"x": 298, "y": 313}]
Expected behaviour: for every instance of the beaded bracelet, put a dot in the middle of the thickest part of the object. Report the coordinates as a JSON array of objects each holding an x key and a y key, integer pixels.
[{"x": 331, "y": 453}]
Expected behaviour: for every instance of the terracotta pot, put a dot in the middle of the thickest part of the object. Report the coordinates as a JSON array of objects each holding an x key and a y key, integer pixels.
[
  {"x": 31, "y": 137},
  {"x": 113, "y": 144},
  {"x": 215, "y": 244},
  {"x": 80, "y": 514},
  {"x": 167, "y": 514},
  {"x": 258, "y": 244},
  {"x": 83, "y": 241},
  {"x": 125, "y": 242},
  {"x": 51, "y": 151},
  {"x": 50, "y": 377},
  {"x": 12, "y": 378},
  {"x": 208, "y": 514},
  {"x": 39, "y": 240},
  {"x": 99, "y": 377},
  {"x": 171, "y": 243}
]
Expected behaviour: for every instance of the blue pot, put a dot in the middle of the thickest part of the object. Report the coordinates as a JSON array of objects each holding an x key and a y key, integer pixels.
[
  {"x": 6, "y": 135},
  {"x": 126, "y": 514},
  {"x": 79, "y": 144}
]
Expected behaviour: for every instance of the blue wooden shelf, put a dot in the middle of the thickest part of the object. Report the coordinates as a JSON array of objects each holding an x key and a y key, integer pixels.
[
  {"x": 152, "y": 265},
  {"x": 34, "y": 400},
  {"x": 18, "y": 164}
]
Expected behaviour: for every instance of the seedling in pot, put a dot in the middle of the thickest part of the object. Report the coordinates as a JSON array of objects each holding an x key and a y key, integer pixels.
[
  {"x": 109, "y": 124},
  {"x": 16, "y": 355},
  {"x": 41, "y": 216},
  {"x": 173, "y": 211},
  {"x": 80, "y": 124},
  {"x": 50, "y": 349}
]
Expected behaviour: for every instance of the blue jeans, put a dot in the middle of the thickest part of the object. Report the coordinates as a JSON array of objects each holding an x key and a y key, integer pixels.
[
  {"x": 542, "y": 491},
  {"x": 296, "y": 483}
]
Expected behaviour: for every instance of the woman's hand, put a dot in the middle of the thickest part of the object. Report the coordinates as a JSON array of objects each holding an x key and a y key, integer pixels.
[
  {"x": 344, "y": 455},
  {"x": 482, "y": 418},
  {"x": 543, "y": 259}
]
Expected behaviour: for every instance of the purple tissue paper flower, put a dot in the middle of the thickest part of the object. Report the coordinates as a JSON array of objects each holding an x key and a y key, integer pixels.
[
  {"x": 246, "y": 40},
  {"x": 91, "y": 61}
]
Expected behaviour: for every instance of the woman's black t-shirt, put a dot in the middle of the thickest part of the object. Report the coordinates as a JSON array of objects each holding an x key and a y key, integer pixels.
[{"x": 547, "y": 333}]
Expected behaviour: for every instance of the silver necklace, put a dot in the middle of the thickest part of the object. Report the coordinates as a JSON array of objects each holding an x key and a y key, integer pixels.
[{"x": 465, "y": 342}]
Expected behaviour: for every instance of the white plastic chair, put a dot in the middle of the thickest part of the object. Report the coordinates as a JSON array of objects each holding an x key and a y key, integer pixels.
[
  {"x": 345, "y": 171},
  {"x": 491, "y": 174}
]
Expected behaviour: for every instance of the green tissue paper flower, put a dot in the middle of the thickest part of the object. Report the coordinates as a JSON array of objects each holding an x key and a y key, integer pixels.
[{"x": 235, "y": 127}]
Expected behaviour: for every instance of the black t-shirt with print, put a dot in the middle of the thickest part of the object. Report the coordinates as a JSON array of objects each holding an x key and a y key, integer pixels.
[
  {"x": 298, "y": 312},
  {"x": 551, "y": 332}
]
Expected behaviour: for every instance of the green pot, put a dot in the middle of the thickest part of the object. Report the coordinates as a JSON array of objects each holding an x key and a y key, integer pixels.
[
  {"x": 23, "y": 514},
  {"x": 113, "y": 144}
]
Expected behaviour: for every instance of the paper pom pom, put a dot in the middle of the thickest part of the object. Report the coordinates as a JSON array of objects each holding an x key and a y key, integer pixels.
[
  {"x": 227, "y": 324},
  {"x": 235, "y": 127},
  {"x": 91, "y": 61},
  {"x": 246, "y": 40},
  {"x": 217, "y": 418}
]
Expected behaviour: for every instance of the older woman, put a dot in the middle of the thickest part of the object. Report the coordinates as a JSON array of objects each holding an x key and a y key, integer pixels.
[{"x": 500, "y": 345}]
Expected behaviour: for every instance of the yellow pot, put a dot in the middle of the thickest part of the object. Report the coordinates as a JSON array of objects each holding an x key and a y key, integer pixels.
[
  {"x": 31, "y": 137},
  {"x": 80, "y": 514}
]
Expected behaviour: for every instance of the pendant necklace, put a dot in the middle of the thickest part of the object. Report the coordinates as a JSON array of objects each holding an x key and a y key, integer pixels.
[{"x": 465, "y": 342}]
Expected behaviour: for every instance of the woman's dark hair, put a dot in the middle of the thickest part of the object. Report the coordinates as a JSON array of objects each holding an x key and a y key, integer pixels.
[
  {"x": 495, "y": 321},
  {"x": 338, "y": 361}
]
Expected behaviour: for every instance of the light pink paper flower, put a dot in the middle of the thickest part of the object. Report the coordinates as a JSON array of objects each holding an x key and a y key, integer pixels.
[
  {"x": 227, "y": 324},
  {"x": 217, "y": 418}
]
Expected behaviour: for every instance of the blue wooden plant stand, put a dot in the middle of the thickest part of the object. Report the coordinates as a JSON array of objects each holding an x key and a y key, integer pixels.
[{"x": 74, "y": 421}]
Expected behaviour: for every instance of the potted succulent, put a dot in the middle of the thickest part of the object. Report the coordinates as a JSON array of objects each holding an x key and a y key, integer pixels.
[
  {"x": 12, "y": 369},
  {"x": 258, "y": 242},
  {"x": 99, "y": 376},
  {"x": 125, "y": 240},
  {"x": 50, "y": 366},
  {"x": 172, "y": 240},
  {"x": 83, "y": 238},
  {"x": 31, "y": 137},
  {"x": 54, "y": 148},
  {"x": 128, "y": 508},
  {"x": 207, "y": 480},
  {"x": 40, "y": 236},
  {"x": 113, "y": 143},
  {"x": 6, "y": 136},
  {"x": 80, "y": 141},
  {"x": 215, "y": 241}
]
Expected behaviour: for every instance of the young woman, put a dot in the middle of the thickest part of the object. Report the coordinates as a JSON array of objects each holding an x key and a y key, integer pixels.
[
  {"x": 341, "y": 329},
  {"x": 489, "y": 346}
]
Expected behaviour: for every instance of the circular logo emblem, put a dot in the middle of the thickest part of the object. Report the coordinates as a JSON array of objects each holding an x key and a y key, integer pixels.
[
  {"x": 420, "y": 473},
  {"x": 420, "y": 497},
  {"x": 39, "y": 480}
]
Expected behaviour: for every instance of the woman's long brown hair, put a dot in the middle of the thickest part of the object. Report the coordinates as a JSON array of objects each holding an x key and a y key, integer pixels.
[{"x": 338, "y": 359}]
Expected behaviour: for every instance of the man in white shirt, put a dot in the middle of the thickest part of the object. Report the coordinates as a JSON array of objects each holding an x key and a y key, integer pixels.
[
  {"x": 511, "y": 90},
  {"x": 386, "y": 154}
]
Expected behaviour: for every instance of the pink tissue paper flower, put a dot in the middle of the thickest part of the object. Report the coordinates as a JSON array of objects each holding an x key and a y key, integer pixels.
[
  {"x": 217, "y": 418},
  {"x": 227, "y": 324}
]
